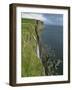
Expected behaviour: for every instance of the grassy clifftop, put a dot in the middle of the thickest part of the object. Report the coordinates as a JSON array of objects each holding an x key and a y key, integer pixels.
[{"x": 31, "y": 65}]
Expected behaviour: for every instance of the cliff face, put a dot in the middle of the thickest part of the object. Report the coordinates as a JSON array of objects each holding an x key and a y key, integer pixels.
[{"x": 30, "y": 53}]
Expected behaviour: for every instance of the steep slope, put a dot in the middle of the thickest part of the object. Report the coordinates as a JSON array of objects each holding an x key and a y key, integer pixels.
[{"x": 30, "y": 58}]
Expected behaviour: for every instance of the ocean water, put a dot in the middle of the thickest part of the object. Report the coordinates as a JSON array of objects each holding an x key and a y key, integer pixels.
[{"x": 52, "y": 36}]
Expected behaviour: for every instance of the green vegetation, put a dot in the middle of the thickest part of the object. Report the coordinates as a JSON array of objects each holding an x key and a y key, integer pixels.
[
  {"x": 52, "y": 65},
  {"x": 31, "y": 65}
]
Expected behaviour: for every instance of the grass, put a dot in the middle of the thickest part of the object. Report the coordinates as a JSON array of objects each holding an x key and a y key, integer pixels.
[{"x": 31, "y": 65}]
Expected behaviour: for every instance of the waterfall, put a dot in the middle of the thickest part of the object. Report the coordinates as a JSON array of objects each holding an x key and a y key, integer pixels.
[{"x": 38, "y": 53}]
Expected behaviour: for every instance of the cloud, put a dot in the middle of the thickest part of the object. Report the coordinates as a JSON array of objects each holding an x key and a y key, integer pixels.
[
  {"x": 33, "y": 16},
  {"x": 53, "y": 19},
  {"x": 49, "y": 19}
]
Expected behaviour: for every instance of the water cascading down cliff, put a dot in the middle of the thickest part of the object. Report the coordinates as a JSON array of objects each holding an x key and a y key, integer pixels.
[{"x": 30, "y": 48}]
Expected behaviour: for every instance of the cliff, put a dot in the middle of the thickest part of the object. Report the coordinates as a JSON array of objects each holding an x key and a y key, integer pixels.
[{"x": 30, "y": 53}]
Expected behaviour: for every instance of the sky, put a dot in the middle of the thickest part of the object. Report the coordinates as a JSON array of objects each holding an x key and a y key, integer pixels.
[
  {"x": 33, "y": 16},
  {"x": 49, "y": 19},
  {"x": 53, "y": 19}
]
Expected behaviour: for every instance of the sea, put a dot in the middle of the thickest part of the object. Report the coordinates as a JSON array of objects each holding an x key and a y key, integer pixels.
[{"x": 52, "y": 36}]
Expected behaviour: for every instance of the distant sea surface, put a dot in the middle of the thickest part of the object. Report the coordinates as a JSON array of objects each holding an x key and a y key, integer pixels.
[{"x": 52, "y": 36}]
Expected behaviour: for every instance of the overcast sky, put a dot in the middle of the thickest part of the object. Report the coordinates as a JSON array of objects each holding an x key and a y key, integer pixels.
[
  {"x": 54, "y": 19},
  {"x": 49, "y": 19}
]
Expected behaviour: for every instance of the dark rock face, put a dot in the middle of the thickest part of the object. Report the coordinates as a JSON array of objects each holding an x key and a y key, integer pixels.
[{"x": 52, "y": 65}]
